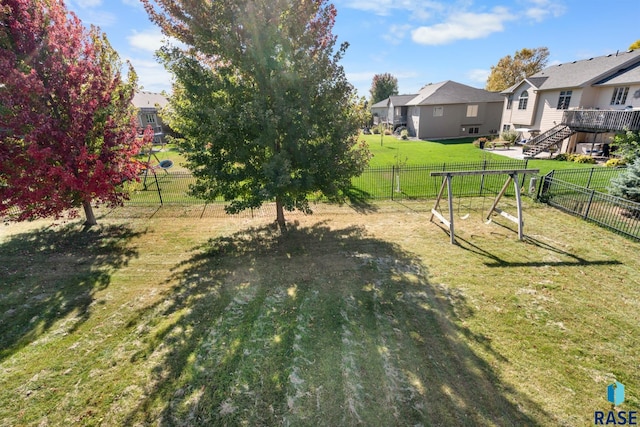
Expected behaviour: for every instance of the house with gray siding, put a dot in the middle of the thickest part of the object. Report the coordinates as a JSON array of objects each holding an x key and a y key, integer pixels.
[
  {"x": 149, "y": 105},
  {"x": 576, "y": 106},
  {"x": 453, "y": 110},
  {"x": 392, "y": 111},
  {"x": 443, "y": 110}
]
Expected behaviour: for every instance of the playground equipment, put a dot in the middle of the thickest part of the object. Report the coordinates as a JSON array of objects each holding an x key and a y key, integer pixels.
[
  {"x": 164, "y": 165},
  {"x": 446, "y": 183}
]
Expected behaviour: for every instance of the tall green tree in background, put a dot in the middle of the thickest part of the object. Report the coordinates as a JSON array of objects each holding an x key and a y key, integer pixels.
[
  {"x": 265, "y": 111},
  {"x": 635, "y": 45},
  {"x": 383, "y": 86},
  {"x": 512, "y": 69}
]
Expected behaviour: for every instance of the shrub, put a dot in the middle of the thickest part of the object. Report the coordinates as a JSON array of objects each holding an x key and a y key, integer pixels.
[
  {"x": 376, "y": 130},
  {"x": 509, "y": 136},
  {"x": 404, "y": 134},
  {"x": 563, "y": 157},
  {"x": 615, "y": 163},
  {"x": 626, "y": 184},
  {"x": 583, "y": 158},
  {"x": 480, "y": 142}
]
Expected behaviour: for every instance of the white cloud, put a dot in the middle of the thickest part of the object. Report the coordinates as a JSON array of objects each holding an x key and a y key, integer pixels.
[
  {"x": 418, "y": 9},
  {"x": 149, "y": 40},
  {"x": 478, "y": 75},
  {"x": 460, "y": 26},
  {"x": 152, "y": 76},
  {"x": 542, "y": 9},
  {"x": 396, "y": 33},
  {"x": 361, "y": 76},
  {"x": 133, "y": 3}
]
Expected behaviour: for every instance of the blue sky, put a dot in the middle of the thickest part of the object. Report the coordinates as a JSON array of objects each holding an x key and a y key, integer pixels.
[{"x": 418, "y": 41}]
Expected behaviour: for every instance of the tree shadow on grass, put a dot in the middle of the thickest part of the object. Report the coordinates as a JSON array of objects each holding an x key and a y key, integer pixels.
[
  {"x": 50, "y": 274},
  {"x": 318, "y": 326}
]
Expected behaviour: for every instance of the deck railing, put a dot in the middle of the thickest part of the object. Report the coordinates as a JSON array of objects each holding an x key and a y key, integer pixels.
[{"x": 602, "y": 120}]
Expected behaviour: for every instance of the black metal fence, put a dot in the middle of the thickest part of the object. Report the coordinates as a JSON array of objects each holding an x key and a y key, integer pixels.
[
  {"x": 381, "y": 183},
  {"x": 615, "y": 213},
  {"x": 596, "y": 178}
]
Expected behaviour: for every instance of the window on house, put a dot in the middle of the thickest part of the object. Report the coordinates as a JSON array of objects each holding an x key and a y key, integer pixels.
[
  {"x": 523, "y": 100},
  {"x": 473, "y": 130},
  {"x": 506, "y": 128},
  {"x": 619, "y": 95},
  {"x": 151, "y": 119},
  {"x": 564, "y": 100},
  {"x": 438, "y": 111},
  {"x": 509, "y": 102},
  {"x": 472, "y": 111}
]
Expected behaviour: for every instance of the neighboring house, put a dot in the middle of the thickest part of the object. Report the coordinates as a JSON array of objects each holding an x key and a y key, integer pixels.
[
  {"x": 392, "y": 111},
  {"x": 149, "y": 105},
  {"x": 453, "y": 110},
  {"x": 576, "y": 106},
  {"x": 443, "y": 110}
]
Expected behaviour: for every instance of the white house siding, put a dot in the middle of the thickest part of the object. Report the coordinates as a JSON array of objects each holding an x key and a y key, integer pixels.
[
  {"x": 587, "y": 98},
  {"x": 604, "y": 94},
  {"x": 548, "y": 115},
  {"x": 520, "y": 118}
]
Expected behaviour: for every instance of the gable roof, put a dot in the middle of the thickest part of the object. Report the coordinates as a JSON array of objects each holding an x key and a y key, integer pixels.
[
  {"x": 401, "y": 100},
  {"x": 585, "y": 72},
  {"x": 450, "y": 92},
  {"x": 627, "y": 76},
  {"x": 145, "y": 99},
  {"x": 381, "y": 104}
]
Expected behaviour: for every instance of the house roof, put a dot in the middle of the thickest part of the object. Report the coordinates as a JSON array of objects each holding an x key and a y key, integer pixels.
[
  {"x": 381, "y": 104},
  {"x": 450, "y": 92},
  {"x": 401, "y": 100},
  {"x": 586, "y": 72},
  {"x": 145, "y": 99},
  {"x": 630, "y": 75}
]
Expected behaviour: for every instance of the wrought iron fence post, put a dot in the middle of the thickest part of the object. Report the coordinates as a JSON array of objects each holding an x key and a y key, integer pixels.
[
  {"x": 393, "y": 176},
  {"x": 586, "y": 211},
  {"x": 590, "y": 176},
  {"x": 545, "y": 184}
]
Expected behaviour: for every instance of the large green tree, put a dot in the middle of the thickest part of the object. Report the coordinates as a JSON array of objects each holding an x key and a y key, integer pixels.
[
  {"x": 383, "y": 86},
  {"x": 512, "y": 69},
  {"x": 264, "y": 108}
]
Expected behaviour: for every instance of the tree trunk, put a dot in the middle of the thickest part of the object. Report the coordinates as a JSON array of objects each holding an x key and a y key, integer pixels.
[
  {"x": 280, "y": 215},
  {"x": 88, "y": 212}
]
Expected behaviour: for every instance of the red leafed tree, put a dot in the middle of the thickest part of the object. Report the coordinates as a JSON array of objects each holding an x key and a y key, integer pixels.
[{"x": 67, "y": 127}]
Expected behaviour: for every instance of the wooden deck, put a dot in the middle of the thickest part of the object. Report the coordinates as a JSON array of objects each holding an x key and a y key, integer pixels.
[{"x": 602, "y": 120}]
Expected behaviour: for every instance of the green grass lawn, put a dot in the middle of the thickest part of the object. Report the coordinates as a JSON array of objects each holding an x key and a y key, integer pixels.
[
  {"x": 347, "y": 319},
  {"x": 394, "y": 151}
]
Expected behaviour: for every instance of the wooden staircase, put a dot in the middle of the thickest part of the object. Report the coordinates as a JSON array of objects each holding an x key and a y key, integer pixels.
[{"x": 551, "y": 137}]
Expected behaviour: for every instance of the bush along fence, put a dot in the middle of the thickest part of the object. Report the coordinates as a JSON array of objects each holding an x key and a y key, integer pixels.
[
  {"x": 615, "y": 213},
  {"x": 381, "y": 183}
]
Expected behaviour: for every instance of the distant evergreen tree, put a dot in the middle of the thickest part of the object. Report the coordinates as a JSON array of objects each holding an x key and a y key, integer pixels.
[{"x": 627, "y": 184}]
